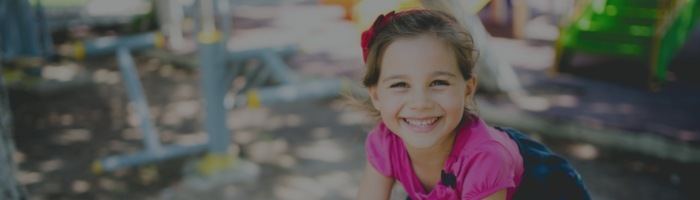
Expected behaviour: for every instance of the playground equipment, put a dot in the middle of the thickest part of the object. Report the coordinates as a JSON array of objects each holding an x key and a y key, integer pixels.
[
  {"x": 270, "y": 82},
  {"x": 23, "y": 31},
  {"x": 650, "y": 30}
]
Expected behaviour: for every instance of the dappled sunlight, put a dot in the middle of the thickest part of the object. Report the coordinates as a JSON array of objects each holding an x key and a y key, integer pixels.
[
  {"x": 71, "y": 136},
  {"x": 19, "y": 157},
  {"x": 324, "y": 186},
  {"x": 325, "y": 150},
  {"x": 293, "y": 120},
  {"x": 321, "y": 133},
  {"x": 325, "y": 41},
  {"x": 230, "y": 192},
  {"x": 519, "y": 53},
  {"x": 106, "y": 76},
  {"x": 314, "y": 17},
  {"x": 122, "y": 8},
  {"x": 185, "y": 91},
  {"x": 244, "y": 137},
  {"x": 274, "y": 123},
  {"x": 286, "y": 161},
  {"x": 51, "y": 165},
  {"x": 248, "y": 118},
  {"x": 177, "y": 112},
  {"x": 298, "y": 188},
  {"x": 341, "y": 182},
  {"x": 132, "y": 134},
  {"x": 166, "y": 70},
  {"x": 565, "y": 100},
  {"x": 148, "y": 174},
  {"x": 111, "y": 184},
  {"x": 29, "y": 177},
  {"x": 267, "y": 151},
  {"x": 531, "y": 103},
  {"x": 583, "y": 151},
  {"x": 186, "y": 109},
  {"x": 191, "y": 138},
  {"x": 350, "y": 118},
  {"x": 80, "y": 186},
  {"x": 119, "y": 146},
  {"x": 65, "y": 72}
]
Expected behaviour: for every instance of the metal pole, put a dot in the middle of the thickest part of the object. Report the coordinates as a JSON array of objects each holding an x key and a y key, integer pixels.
[
  {"x": 110, "y": 44},
  {"x": 10, "y": 188},
  {"x": 307, "y": 90},
  {"x": 167, "y": 152},
  {"x": 212, "y": 66},
  {"x": 138, "y": 100}
]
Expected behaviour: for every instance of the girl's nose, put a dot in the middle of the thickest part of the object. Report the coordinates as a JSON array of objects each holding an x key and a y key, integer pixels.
[{"x": 420, "y": 100}]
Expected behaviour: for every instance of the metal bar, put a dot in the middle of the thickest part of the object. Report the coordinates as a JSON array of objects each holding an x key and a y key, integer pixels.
[
  {"x": 317, "y": 89},
  {"x": 45, "y": 35},
  {"x": 279, "y": 70},
  {"x": 261, "y": 77},
  {"x": 108, "y": 45},
  {"x": 250, "y": 75},
  {"x": 121, "y": 161},
  {"x": 138, "y": 100},
  {"x": 236, "y": 56},
  {"x": 30, "y": 35}
]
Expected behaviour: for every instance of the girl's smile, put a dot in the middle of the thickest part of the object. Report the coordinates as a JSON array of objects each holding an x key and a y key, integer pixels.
[{"x": 420, "y": 125}]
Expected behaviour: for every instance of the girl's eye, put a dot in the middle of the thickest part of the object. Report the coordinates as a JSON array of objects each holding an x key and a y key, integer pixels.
[
  {"x": 398, "y": 85},
  {"x": 439, "y": 83}
]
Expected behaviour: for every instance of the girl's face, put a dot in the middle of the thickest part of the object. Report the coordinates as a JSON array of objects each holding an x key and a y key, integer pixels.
[{"x": 421, "y": 94}]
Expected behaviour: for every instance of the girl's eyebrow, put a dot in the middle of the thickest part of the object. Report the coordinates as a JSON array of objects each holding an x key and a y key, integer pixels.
[
  {"x": 444, "y": 73},
  {"x": 436, "y": 73},
  {"x": 398, "y": 76}
]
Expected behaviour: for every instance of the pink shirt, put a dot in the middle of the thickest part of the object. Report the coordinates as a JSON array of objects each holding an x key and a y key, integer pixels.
[{"x": 483, "y": 160}]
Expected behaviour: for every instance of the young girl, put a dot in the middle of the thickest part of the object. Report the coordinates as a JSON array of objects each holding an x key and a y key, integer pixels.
[{"x": 421, "y": 81}]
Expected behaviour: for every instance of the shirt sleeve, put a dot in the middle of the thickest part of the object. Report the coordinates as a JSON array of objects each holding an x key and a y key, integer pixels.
[
  {"x": 377, "y": 150},
  {"x": 490, "y": 169}
]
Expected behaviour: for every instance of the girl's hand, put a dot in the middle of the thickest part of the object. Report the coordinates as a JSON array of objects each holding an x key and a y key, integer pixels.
[{"x": 374, "y": 185}]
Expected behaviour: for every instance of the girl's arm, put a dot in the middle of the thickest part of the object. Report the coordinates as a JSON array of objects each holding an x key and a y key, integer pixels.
[
  {"x": 374, "y": 185},
  {"x": 500, "y": 195}
]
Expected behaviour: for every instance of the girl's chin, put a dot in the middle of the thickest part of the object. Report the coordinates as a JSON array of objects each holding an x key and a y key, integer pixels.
[{"x": 419, "y": 140}]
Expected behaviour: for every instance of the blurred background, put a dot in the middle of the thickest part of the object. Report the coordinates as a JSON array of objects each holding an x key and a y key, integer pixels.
[{"x": 245, "y": 99}]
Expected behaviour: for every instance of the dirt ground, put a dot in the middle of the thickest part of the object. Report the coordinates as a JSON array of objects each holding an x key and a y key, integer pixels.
[{"x": 311, "y": 145}]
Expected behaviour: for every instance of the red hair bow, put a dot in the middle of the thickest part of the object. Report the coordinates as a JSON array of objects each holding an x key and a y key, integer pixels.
[{"x": 369, "y": 34}]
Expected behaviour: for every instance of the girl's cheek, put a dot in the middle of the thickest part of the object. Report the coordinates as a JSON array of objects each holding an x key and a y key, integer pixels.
[{"x": 450, "y": 100}]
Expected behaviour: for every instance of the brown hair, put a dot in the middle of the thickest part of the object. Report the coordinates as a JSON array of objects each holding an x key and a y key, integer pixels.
[{"x": 414, "y": 23}]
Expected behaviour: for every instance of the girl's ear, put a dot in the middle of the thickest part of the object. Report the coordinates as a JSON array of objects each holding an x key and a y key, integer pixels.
[
  {"x": 374, "y": 96},
  {"x": 471, "y": 87}
]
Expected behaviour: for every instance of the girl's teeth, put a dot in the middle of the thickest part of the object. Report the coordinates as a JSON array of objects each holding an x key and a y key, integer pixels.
[{"x": 425, "y": 122}]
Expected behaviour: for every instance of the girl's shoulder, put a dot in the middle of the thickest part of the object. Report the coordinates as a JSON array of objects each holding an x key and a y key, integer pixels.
[
  {"x": 479, "y": 141},
  {"x": 380, "y": 134},
  {"x": 478, "y": 136},
  {"x": 379, "y": 148}
]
